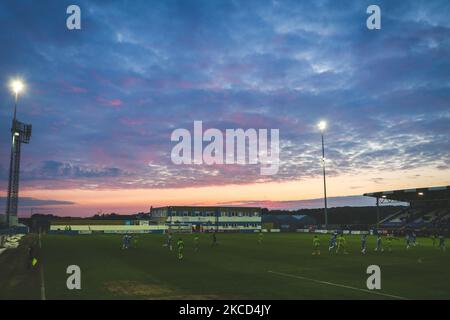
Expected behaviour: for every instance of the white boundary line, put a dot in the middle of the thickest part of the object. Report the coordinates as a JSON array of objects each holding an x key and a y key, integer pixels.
[
  {"x": 338, "y": 285},
  {"x": 42, "y": 271},
  {"x": 42, "y": 283}
]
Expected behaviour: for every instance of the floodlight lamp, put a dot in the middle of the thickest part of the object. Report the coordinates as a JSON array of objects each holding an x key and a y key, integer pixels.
[
  {"x": 17, "y": 86},
  {"x": 322, "y": 125}
]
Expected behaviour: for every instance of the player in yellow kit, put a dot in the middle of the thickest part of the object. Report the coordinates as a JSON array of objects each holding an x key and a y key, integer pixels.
[
  {"x": 180, "y": 245},
  {"x": 316, "y": 245}
]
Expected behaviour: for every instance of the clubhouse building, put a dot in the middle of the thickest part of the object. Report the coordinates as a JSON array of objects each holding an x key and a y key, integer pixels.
[{"x": 208, "y": 219}]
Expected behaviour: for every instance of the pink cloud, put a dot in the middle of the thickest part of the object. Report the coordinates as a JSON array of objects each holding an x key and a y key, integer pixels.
[
  {"x": 110, "y": 102},
  {"x": 115, "y": 102},
  {"x": 133, "y": 121},
  {"x": 71, "y": 88},
  {"x": 75, "y": 89}
]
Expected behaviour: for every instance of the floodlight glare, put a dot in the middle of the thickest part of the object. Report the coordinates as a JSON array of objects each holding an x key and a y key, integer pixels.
[
  {"x": 322, "y": 125},
  {"x": 17, "y": 86}
]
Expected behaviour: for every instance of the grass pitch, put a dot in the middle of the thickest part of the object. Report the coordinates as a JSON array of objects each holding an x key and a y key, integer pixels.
[{"x": 281, "y": 267}]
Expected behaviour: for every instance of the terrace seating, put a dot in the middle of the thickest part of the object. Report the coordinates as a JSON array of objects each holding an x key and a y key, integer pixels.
[
  {"x": 425, "y": 219},
  {"x": 413, "y": 218},
  {"x": 396, "y": 219},
  {"x": 443, "y": 221}
]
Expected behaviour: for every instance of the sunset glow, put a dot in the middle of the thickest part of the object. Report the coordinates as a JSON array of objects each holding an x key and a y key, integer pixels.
[{"x": 104, "y": 100}]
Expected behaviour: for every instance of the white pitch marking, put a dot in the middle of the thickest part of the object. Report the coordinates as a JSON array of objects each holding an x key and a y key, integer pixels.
[
  {"x": 338, "y": 285},
  {"x": 42, "y": 283}
]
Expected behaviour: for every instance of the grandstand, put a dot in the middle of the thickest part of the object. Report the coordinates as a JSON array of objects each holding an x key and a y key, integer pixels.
[{"x": 428, "y": 209}]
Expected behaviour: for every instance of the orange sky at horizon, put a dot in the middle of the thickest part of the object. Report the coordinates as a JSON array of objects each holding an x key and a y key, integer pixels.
[{"x": 125, "y": 201}]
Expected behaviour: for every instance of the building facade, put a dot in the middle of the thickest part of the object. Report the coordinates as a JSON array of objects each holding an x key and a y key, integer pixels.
[{"x": 208, "y": 219}]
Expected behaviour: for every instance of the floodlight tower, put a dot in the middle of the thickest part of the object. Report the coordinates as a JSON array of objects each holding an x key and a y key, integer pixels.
[
  {"x": 21, "y": 133},
  {"x": 322, "y": 125}
]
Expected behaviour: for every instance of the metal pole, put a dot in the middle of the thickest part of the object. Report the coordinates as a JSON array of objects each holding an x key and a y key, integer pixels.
[
  {"x": 9, "y": 202},
  {"x": 324, "y": 184},
  {"x": 10, "y": 182},
  {"x": 378, "y": 212},
  {"x": 15, "y": 105}
]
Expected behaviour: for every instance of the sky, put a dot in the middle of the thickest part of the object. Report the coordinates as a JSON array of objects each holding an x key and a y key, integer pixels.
[{"x": 104, "y": 100}]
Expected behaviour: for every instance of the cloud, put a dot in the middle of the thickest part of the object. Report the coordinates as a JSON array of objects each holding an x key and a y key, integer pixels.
[
  {"x": 103, "y": 101},
  {"x": 54, "y": 170},
  {"x": 28, "y": 202}
]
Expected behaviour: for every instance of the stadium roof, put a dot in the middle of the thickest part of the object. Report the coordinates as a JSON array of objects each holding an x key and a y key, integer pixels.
[{"x": 418, "y": 194}]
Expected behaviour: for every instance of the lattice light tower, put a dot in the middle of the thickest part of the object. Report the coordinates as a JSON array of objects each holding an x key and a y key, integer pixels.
[{"x": 20, "y": 133}]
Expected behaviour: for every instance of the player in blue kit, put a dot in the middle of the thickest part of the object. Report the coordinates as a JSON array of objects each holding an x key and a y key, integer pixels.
[
  {"x": 125, "y": 242},
  {"x": 169, "y": 241},
  {"x": 408, "y": 240},
  {"x": 414, "y": 239},
  {"x": 379, "y": 246},
  {"x": 332, "y": 242},
  {"x": 363, "y": 244},
  {"x": 442, "y": 242}
]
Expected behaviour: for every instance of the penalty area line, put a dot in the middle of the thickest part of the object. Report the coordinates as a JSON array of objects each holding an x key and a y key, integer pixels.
[{"x": 338, "y": 285}]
